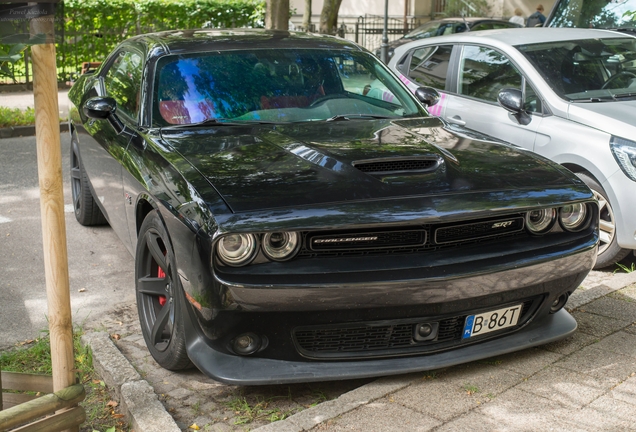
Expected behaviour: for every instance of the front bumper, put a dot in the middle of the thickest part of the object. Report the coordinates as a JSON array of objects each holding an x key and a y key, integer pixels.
[
  {"x": 281, "y": 362},
  {"x": 234, "y": 370}
]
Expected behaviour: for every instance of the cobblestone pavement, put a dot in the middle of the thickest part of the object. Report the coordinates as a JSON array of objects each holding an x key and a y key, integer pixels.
[{"x": 192, "y": 398}]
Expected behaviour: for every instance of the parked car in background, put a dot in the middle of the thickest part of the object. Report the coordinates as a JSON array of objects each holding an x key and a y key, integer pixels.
[
  {"x": 295, "y": 214},
  {"x": 612, "y": 15},
  {"x": 448, "y": 26},
  {"x": 577, "y": 94}
]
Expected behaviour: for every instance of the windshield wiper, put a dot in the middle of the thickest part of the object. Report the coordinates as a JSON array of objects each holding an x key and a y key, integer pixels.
[
  {"x": 220, "y": 122},
  {"x": 340, "y": 117},
  {"x": 624, "y": 95}
]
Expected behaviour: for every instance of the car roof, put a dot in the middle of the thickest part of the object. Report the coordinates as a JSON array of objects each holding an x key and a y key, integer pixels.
[
  {"x": 523, "y": 36},
  {"x": 201, "y": 40}
]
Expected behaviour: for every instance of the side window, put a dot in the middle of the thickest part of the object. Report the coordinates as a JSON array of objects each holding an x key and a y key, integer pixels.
[
  {"x": 429, "y": 66},
  {"x": 484, "y": 72},
  {"x": 123, "y": 82},
  {"x": 532, "y": 102},
  {"x": 482, "y": 26}
]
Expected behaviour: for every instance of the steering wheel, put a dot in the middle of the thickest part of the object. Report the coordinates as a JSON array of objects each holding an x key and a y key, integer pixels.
[
  {"x": 615, "y": 77},
  {"x": 327, "y": 97}
]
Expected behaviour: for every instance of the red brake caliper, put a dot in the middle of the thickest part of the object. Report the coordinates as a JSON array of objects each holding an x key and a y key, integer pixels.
[{"x": 161, "y": 274}]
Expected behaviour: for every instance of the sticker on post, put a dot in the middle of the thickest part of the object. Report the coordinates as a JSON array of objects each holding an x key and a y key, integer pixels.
[{"x": 487, "y": 322}]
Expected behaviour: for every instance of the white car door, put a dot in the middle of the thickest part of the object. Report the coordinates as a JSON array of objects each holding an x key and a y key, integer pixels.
[{"x": 482, "y": 73}]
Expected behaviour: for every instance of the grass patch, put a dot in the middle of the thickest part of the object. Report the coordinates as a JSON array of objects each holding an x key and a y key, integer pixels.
[
  {"x": 34, "y": 356},
  {"x": 625, "y": 268},
  {"x": 260, "y": 409},
  {"x": 16, "y": 117}
]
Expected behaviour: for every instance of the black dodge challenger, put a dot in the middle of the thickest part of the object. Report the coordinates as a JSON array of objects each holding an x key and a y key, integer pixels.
[{"x": 295, "y": 214}]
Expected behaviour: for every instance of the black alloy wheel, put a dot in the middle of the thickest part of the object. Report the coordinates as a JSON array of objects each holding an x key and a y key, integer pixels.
[
  {"x": 159, "y": 296},
  {"x": 87, "y": 212},
  {"x": 609, "y": 252}
]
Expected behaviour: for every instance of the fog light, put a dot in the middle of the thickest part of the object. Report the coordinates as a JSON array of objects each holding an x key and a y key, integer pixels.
[
  {"x": 425, "y": 331},
  {"x": 246, "y": 344},
  {"x": 559, "y": 302}
]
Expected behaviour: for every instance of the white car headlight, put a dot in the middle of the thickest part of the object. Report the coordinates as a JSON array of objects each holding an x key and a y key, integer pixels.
[
  {"x": 237, "y": 249},
  {"x": 281, "y": 246},
  {"x": 624, "y": 152}
]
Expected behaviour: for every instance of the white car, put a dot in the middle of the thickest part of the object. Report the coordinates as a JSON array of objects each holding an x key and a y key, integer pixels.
[{"x": 570, "y": 95}]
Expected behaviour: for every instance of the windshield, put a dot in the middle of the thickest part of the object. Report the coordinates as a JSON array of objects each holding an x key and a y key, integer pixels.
[
  {"x": 587, "y": 70},
  {"x": 277, "y": 86},
  {"x": 595, "y": 14},
  {"x": 436, "y": 28}
]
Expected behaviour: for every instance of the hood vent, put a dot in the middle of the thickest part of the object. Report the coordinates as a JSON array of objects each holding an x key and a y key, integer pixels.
[{"x": 399, "y": 165}]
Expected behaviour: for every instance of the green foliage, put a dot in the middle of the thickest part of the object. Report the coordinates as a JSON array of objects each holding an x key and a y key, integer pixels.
[
  {"x": 16, "y": 117},
  {"x": 9, "y": 56},
  {"x": 468, "y": 8},
  {"x": 92, "y": 28}
]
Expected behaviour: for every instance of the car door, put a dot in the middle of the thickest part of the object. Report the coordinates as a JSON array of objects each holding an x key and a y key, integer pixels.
[
  {"x": 121, "y": 80},
  {"x": 481, "y": 73}
]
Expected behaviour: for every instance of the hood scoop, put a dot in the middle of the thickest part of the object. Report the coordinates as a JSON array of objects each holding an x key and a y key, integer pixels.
[{"x": 399, "y": 165}]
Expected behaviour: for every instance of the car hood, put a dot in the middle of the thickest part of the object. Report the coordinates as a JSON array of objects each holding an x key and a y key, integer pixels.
[
  {"x": 615, "y": 118},
  {"x": 264, "y": 167}
]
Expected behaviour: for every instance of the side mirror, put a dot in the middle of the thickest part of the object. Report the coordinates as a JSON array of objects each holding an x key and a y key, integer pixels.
[
  {"x": 427, "y": 95},
  {"x": 100, "y": 107},
  {"x": 104, "y": 108},
  {"x": 512, "y": 100}
]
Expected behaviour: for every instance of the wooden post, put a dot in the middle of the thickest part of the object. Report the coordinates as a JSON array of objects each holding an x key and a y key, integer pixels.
[{"x": 47, "y": 129}]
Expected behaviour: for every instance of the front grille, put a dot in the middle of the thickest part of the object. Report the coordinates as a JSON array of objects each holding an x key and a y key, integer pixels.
[
  {"x": 385, "y": 339},
  {"x": 478, "y": 230},
  {"x": 366, "y": 240},
  {"x": 414, "y": 240},
  {"x": 397, "y": 165}
]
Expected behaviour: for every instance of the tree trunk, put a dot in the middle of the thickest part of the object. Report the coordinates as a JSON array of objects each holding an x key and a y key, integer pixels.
[
  {"x": 329, "y": 16},
  {"x": 277, "y": 15},
  {"x": 307, "y": 16}
]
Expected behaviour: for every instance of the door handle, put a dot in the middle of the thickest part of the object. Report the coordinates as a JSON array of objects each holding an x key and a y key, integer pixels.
[{"x": 456, "y": 120}]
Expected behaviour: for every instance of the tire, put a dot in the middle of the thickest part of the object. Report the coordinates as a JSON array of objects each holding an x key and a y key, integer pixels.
[
  {"x": 159, "y": 296},
  {"x": 87, "y": 212},
  {"x": 609, "y": 252}
]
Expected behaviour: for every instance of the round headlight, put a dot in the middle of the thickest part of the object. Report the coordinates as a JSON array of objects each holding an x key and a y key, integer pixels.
[
  {"x": 280, "y": 246},
  {"x": 237, "y": 249},
  {"x": 540, "y": 221},
  {"x": 573, "y": 216}
]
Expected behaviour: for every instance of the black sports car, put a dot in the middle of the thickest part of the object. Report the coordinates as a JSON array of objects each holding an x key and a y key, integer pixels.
[{"x": 296, "y": 215}]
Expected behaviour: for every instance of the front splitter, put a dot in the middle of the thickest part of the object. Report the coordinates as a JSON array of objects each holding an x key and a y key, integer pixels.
[{"x": 237, "y": 370}]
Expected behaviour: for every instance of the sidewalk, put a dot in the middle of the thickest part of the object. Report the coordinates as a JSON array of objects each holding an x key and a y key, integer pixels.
[
  {"x": 586, "y": 382},
  {"x": 24, "y": 99}
]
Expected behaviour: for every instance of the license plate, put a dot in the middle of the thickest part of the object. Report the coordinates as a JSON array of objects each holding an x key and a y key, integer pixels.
[{"x": 487, "y": 322}]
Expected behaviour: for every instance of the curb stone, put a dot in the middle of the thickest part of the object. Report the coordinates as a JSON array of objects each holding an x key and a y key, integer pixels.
[
  {"x": 311, "y": 417},
  {"x": 20, "y": 131},
  {"x": 137, "y": 398}
]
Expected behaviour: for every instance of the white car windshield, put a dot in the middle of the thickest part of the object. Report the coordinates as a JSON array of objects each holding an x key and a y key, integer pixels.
[
  {"x": 277, "y": 86},
  {"x": 591, "y": 70}
]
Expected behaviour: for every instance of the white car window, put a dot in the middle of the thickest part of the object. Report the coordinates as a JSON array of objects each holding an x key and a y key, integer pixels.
[
  {"x": 484, "y": 72},
  {"x": 429, "y": 65}
]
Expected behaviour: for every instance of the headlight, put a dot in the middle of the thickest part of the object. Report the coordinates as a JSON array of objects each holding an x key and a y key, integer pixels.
[
  {"x": 573, "y": 216},
  {"x": 237, "y": 249},
  {"x": 280, "y": 246},
  {"x": 540, "y": 221},
  {"x": 624, "y": 152}
]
